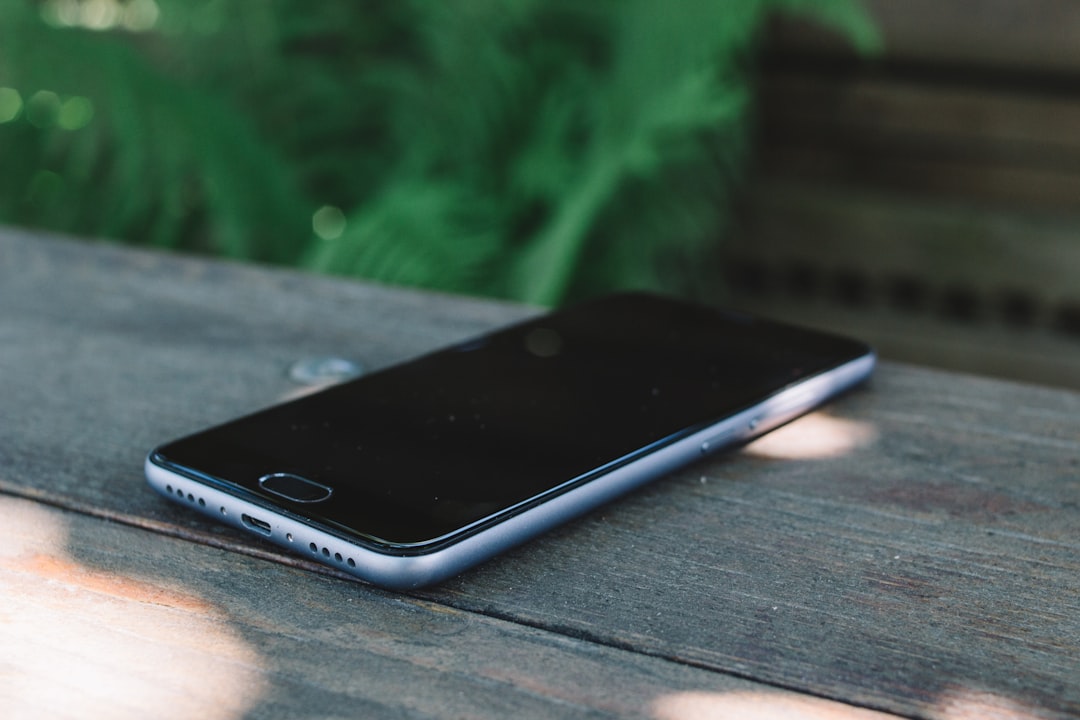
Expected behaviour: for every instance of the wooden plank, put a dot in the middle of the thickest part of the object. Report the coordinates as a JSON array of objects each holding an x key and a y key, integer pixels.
[
  {"x": 894, "y": 108},
  {"x": 1036, "y": 36},
  {"x": 103, "y": 620},
  {"x": 915, "y": 552},
  {"x": 918, "y": 543},
  {"x": 925, "y": 174},
  {"x": 884, "y": 236},
  {"x": 940, "y": 143}
]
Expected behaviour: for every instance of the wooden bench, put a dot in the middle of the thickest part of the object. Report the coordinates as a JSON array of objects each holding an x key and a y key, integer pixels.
[
  {"x": 929, "y": 198},
  {"x": 913, "y": 549}
]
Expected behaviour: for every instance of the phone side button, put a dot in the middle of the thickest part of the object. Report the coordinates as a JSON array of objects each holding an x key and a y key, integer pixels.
[
  {"x": 717, "y": 442},
  {"x": 295, "y": 488}
]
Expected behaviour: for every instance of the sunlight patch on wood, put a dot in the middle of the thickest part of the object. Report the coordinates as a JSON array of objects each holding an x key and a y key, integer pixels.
[
  {"x": 814, "y": 437},
  {"x": 967, "y": 704},
  {"x": 81, "y": 641},
  {"x": 755, "y": 705}
]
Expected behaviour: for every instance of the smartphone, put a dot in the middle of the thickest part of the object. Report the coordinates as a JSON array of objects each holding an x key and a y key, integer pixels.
[{"x": 413, "y": 474}]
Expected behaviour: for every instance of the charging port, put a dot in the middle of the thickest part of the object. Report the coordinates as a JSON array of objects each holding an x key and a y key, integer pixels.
[{"x": 259, "y": 526}]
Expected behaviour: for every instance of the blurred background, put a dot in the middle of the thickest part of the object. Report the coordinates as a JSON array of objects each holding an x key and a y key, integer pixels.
[
  {"x": 927, "y": 199},
  {"x": 905, "y": 172},
  {"x": 539, "y": 150}
]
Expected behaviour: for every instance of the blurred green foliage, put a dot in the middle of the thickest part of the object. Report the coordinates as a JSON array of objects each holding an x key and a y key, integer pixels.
[{"x": 532, "y": 149}]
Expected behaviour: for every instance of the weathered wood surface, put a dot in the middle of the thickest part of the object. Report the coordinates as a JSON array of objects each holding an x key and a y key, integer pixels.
[
  {"x": 914, "y": 549},
  {"x": 104, "y": 620}
]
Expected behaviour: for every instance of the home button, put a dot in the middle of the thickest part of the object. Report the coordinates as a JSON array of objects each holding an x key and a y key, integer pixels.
[{"x": 295, "y": 488}]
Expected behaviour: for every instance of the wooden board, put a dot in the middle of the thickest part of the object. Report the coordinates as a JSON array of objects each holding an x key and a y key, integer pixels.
[
  {"x": 912, "y": 550},
  {"x": 916, "y": 556},
  {"x": 103, "y": 620},
  {"x": 1011, "y": 147},
  {"x": 988, "y": 252},
  {"x": 1036, "y": 36}
]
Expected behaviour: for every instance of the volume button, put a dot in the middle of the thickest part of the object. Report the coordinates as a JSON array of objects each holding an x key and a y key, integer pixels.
[{"x": 717, "y": 441}]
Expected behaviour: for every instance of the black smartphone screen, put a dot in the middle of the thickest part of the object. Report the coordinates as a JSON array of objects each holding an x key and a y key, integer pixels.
[{"x": 439, "y": 445}]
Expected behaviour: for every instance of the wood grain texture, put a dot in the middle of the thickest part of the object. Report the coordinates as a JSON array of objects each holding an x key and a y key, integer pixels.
[
  {"x": 914, "y": 549},
  {"x": 937, "y": 559},
  {"x": 103, "y": 620}
]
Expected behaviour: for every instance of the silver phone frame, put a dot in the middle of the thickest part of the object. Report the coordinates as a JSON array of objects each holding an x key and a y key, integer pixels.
[{"x": 407, "y": 572}]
